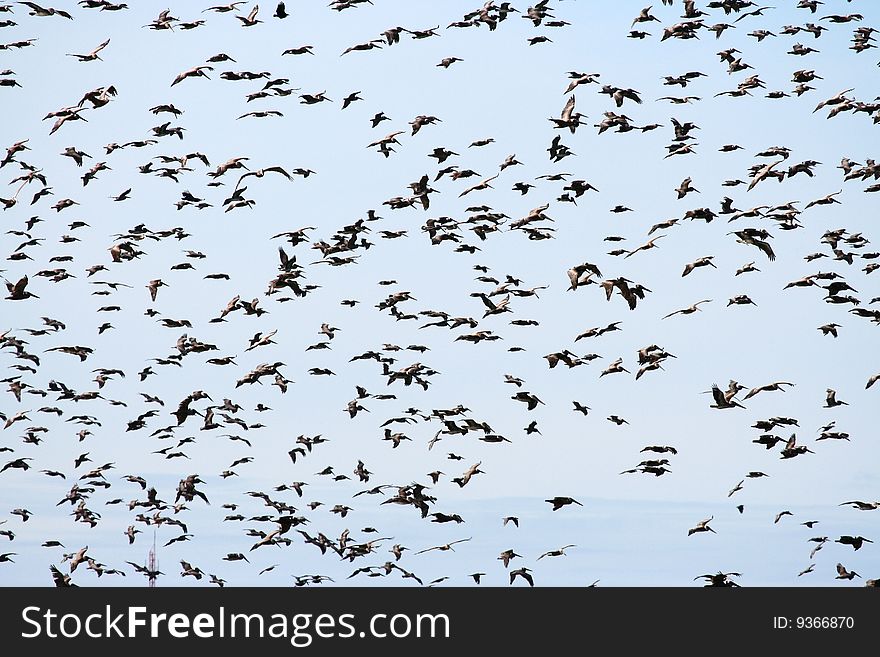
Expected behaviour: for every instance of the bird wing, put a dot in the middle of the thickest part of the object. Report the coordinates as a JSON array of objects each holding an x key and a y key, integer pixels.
[
  {"x": 487, "y": 302},
  {"x": 568, "y": 109},
  {"x": 249, "y": 173},
  {"x": 754, "y": 391},
  {"x": 279, "y": 170},
  {"x": 57, "y": 576},
  {"x": 19, "y": 286},
  {"x": 765, "y": 247}
]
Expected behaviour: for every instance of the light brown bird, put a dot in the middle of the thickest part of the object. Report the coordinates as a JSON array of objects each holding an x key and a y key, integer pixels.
[
  {"x": 831, "y": 399},
  {"x": 444, "y": 548},
  {"x": 196, "y": 71},
  {"x": 689, "y": 310},
  {"x": 705, "y": 261},
  {"x": 770, "y": 387},
  {"x": 702, "y": 526},
  {"x": 153, "y": 286},
  {"x": 251, "y": 19},
  {"x": 483, "y": 184},
  {"x": 78, "y": 557},
  {"x": 843, "y": 573},
  {"x": 560, "y": 552},
  {"x": 259, "y": 173},
  {"x": 650, "y": 244},
  {"x": 92, "y": 55},
  {"x": 37, "y": 10}
]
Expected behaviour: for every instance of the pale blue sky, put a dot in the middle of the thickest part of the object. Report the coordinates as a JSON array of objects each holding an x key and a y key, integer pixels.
[{"x": 632, "y": 529}]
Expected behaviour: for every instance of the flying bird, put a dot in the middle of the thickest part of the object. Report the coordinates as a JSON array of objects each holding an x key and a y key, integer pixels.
[
  {"x": 93, "y": 54},
  {"x": 702, "y": 526},
  {"x": 559, "y": 502}
]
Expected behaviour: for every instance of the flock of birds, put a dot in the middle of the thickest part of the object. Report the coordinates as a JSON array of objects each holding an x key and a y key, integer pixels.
[{"x": 42, "y": 407}]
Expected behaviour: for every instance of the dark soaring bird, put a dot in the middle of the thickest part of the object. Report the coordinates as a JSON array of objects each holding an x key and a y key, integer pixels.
[{"x": 559, "y": 502}]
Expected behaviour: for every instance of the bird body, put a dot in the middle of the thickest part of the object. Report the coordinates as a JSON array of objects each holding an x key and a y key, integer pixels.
[{"x": 559, "y": 502}]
